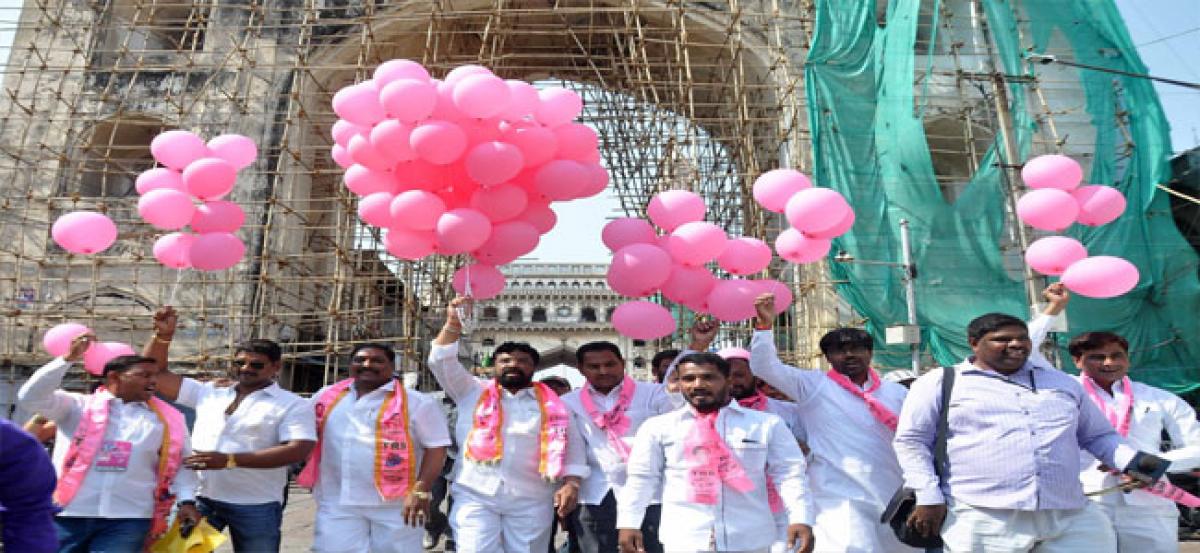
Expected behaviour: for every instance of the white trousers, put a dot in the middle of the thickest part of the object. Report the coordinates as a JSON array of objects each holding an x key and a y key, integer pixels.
[
  {"x": 362, "y": 529},
  {"x": 1144, "y": 529},
  {"x": 982, "y": 530},
  {"x": 844, "y": 526},
  {"x": 502, "y": 523}
]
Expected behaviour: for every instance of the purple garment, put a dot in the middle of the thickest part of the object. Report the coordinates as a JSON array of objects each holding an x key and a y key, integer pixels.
[
  {"x": 26, "y": 483},
  {"x": 1014, "y": 440}
]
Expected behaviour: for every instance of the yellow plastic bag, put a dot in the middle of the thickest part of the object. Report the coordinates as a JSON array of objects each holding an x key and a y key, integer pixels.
[{"x": 203, "y": 539}]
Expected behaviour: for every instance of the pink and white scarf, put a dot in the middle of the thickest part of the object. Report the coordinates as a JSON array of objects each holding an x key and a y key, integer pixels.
[
  {"x": 759, "y": 402},
  {"x": 485, "y": 442},
  {"x": 878, "y": 410},
  {"x": 615, "y": 422},
  {"x": 1121, "y": 415},
  {"x": 712, "y": 462}
]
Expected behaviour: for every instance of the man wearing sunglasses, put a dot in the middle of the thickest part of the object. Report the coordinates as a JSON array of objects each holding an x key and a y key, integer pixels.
[{"x": 245, "y": 437}]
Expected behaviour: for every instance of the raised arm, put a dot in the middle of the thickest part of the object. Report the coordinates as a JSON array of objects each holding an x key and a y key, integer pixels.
[
  {"x": 40, "y": 394},
  {"x": 764, "y": 359},
  {"x": 443, "y": 356},
  {"x": 1057, "y": 297},
  {"x": 158, "y": 347}
]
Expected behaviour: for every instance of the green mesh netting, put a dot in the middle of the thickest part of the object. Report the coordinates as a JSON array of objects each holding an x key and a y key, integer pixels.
[{"x": 869, "y": 143}]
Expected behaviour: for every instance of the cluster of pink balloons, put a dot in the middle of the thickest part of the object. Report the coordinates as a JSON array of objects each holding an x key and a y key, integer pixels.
[
  {"x": 676, "y": 264},
  {"x": 466, "y": 164},
  {"x": 816, "y": 215},
  {"x": 194, "y": 171},
  {"x": 57, "y": 342},
  {"x": 1055, "y": 202}
]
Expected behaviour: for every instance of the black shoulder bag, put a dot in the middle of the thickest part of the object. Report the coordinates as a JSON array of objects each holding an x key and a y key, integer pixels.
[{"x": 905, "y": 500}]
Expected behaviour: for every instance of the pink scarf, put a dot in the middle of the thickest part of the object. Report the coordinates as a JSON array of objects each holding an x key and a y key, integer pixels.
[
  {"x": 712, "y": 462},
  {"x": 758, "y": 402},
  {"x": 1119, "y": 417},
  {"x": 394, "y": 468},
  {"x": 89, "y": 435},
  {"x": 485, "y": 442},
  {"x": 878, "y": 410},
  {"x": 614, "y": 423}
]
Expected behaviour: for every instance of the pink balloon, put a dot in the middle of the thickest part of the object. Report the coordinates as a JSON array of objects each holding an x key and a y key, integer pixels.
[
  {"x": 492, "y": 163},
  {"x": 1053, "y": 254},
  {"x": 409, "y": 100},
  {"x": 341, "y": 156},
  {"x": 576, "y": 141},
  {"x": 508, "y": 242},
  {"x": 481, "y": 95},
  {"x": 364, "y": 153},
  {"x": 675, "y": 207},
  {"x": 1052, "y": 171},
  {"x": 390, "y": 139},
  {"x": 783, "y": 294},
  {"x": 773, "y": 189},
  {"x": 177, "y": 149},
  {"x": 343, "y": 130},
  {"x": 745, "y": 256},
  {"x": 537, "y": 143},
  {"x": 638, "y": 270},
  {"x": 561, "y": 179},
  {"x": 1048, "y": 209},
  {"x": 100, "y": 353},
  {"x": 688, "y": 284},
  {"x": 374, "y": 209},
  {"x": 597, "y": 181},
  {"x": 57, "y": 340},
  {"x": 159, "y": 178},
  {"x": 362, "y": 180},
  {"x": 622, "y": 232},
  {"x": 462, "y": 230},
  {"x": 461, "y": 72},
  {"x": 409, "y": 244},
  {"x": 500, "y": 203},
  {"x": 836, "y": 230},
  {"x": 210, "y": 178},
  {"x": 393, "y": 70},
  {"x": 240, "y": 151},
  {"x": 558, "y": 106},
  {"x": 84, "y": 232},
  {"x": 816, "y": 209},
  {"x": 417, "y": 210},
  {"x": 438, "y": 142},
  {"x": 359, "y": 104},
  {"x": 485, "y": 281},
  {"x": 522, "y": 100},
  {"x": 174, "y": 250},
  {"x": 1098, "y": 205},
  {"x": 218, "y": 216},
  {"x": 696, "y": 243},
  {"x": 166, "y": 209},
  {"x": 419, "y": 174},
  {"x": 540, "y": 216},
  {"x": 216, "y": 251},
  {"x": 1101, "y": 277},
  {"x": 732, "y": 300},
  {"x": 643, "y": 320},
  {"x": 794, "y": 246},
  {"x": 445, "y": 110}
]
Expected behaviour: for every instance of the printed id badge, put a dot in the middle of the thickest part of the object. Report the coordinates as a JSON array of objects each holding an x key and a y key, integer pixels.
[{"x": 113, "y": 456}]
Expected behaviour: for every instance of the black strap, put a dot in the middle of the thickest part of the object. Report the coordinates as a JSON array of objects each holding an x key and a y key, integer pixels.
[{"x": 941, "y": 464}]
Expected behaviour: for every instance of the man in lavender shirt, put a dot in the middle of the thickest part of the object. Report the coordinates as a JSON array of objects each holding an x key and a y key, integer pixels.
[
  {"x": 1015, "y": 431},
  {"x": 26, "y": 482}
]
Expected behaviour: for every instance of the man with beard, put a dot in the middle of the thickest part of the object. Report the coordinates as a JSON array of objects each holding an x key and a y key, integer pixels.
[
  {"x": 711, "y": 461},
  {"x": 379, "y": 449},
  {"x": 660, "y": 362},
  {"x": 119, "y": 454},
  {"x": 520, "y": 448},
  {"x": 245, "y": 437},
  {"x": 849, "y": 416}
]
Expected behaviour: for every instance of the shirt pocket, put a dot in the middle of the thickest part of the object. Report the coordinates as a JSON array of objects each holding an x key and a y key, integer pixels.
[{"x": 751, "y": 453}]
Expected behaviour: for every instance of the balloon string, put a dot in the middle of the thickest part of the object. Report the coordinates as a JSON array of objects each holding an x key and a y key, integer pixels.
[{"x": 175, "y": 288}]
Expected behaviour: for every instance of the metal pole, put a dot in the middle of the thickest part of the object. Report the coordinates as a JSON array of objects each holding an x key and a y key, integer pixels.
[{"x": 910, "y": 289}]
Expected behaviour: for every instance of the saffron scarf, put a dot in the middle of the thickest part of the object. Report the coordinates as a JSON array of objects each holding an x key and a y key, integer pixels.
[
  {"x": 878, "y": 410},
  {"x": 395, "y": 470},
  {"x": 758, "y": 402},
  {"x": 485, "y": 442},
  {"x": 712, "y": 462},
  {"x": 615, "y": 423},
  {"x": 1121, "y": 416},
  {"x": 88, "y": 437}
]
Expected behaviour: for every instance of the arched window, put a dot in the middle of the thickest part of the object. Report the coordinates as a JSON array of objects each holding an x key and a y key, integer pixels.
[
  {"x": 575, "y": 284},
  {"x": 587, "y": 315},
  {"x": 490, "y": 314},
  {"x": 119, "y": 149},
  {"x": 489, "y": 342},
  {"x": 539, "y": 314},
  {"x": 516, "y": 314},
  {"x": 564, "y": 311}
]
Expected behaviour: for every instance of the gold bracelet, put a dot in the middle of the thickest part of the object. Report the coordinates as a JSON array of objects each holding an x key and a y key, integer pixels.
[
  {"x": 418, "y": 494},
  {"x": 454, "y": 330},
  {"x": 160, "y": 340}
]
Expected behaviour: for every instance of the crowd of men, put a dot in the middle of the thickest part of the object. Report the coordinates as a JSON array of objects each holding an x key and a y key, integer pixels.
[{"x": 726, "y": 451}]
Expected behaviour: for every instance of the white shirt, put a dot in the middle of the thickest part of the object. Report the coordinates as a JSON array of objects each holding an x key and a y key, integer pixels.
[
  {"x": 739, "y": 521},
  {"x": 607, "y": 469},
  {"x": 265, "y": 418},
  {"x": 348, "y": 444},
  {"x": 852, "y": 452},
  {"x": 120, "y": 494},
  {"x": 517, "y": 472}
]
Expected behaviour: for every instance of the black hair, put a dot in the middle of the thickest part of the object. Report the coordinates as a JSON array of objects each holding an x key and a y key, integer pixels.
[
  {"x": 846, "y": 337},
  {"x": 122, "y": 363},
  {"x": 600, "y": 346},
  {"x": 262, "y": 347},
  {"x": 1095, "y": 340},
  {"x": 706, "y": 358},
  {"x": 510, "y": 347},
  {"x": 991, "y": 322},
  {"x": 386, "y": 349},
  {"x": 664, "y": 355}
]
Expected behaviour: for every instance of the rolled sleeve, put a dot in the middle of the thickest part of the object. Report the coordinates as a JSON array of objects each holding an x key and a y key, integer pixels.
[
  {"x": 191, "y": 391},
  {"x": 450, "y": 374},
  {"x": 576, "y": 461},
  {"x": 915, "y": 436},
  {"x": 40, "y": 394},
  {"x": 299, "y": 422},
  {"x": 430, "y": 426}
]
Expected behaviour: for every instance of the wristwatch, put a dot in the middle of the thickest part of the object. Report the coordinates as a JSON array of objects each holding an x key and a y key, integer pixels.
[
  {"x": 420, "y": 494},
  {"x": 230, "y": 461}
]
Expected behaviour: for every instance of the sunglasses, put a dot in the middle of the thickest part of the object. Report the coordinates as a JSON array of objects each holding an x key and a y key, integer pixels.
[{"x": 256, "y": 365}]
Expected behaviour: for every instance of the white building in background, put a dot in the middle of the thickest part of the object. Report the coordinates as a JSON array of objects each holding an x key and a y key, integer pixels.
[{"x": 555, "y": 307}]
